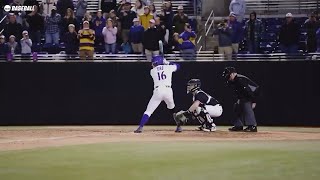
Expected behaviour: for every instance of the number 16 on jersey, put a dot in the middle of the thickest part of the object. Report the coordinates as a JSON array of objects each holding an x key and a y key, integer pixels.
[{"x": 162, "y": 76}]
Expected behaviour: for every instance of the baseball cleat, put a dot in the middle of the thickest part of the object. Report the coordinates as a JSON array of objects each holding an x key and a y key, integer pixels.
[
  {"x": 251, "y": 129},
  {"x": 178, "y": 130},
  {"x": 211, "y": 128},
  {"x": 139, "y": 130},
  {"x": 199, "y": 128},
  {"x": 236, "y": 128}
]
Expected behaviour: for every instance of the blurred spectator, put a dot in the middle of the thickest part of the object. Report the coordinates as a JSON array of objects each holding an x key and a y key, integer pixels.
[
  {"x": 237, "y": 32},
  {"x": 107, "y": 6},
  {"x": 238, "y": 7},
  {"x": 225, "y": 39},
  {"x": 145, "y": 18},
  {"x": 71, "y": 40},
  {"x": 69, "y": 18},
  {"x": 167, "y": 17},
  {"x": 179, "y": 20},
  {"x": 36, "y": 25},
  {"x": 40, "y": 10},
  {"x": 254, "y": 29},
  {"x": 136, "y": 36},
  {"x": 151, "y": 40},
  {"x": 176, "y": 42},
  {"x": 187, "y": 43},
  {"x": 19, "y": 14},
  {"x": 26, "y": 44},
  {"x": 318, "y": 40},
  {"x": 13, "y": 45},
  {"x": 2, "y": 4},
  {"x": 81, "y": 9},
  {"x": 162, "y": 30},
  {"x": 63, "y": 5},
  {"x": 87, "y": 17},
  {"x": 31, "y": 3},
  {"x": 146, "y": 2},
  {"x": 161, "y": 15},
  {"x": 86, "y": 37},
  {"x": 52, "y": 27},
  {"x": 110, "y": 37},
  {"x": 12, "y": 28},
  {"x": 168, "y": 13},
  {"x": 98, "y": 25},
  {"x": 289, "y": 35},
  {"x": 120, "y": 6},
  {"x": 138, "y": 7},
  {"x": 116, "y": 22},
  {"x": 48, "y": 5},
  {"x": 126, "y": 17},
  {"x": 312, "y": 25},
  {"x": 4, "y": 49},
  {"x": 153, "y": 10}
]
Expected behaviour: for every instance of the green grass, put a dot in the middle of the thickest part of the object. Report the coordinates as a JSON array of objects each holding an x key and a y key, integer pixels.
[{"x": 269, "y": 160}]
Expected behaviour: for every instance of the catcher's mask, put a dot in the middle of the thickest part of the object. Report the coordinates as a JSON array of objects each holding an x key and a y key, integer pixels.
[
  {"x": 227, "y": 72},
  {"x": 193, "y": 85}
]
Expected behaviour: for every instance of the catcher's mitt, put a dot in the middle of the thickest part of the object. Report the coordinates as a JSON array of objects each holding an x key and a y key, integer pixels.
[{"x": 182, "y": 117}]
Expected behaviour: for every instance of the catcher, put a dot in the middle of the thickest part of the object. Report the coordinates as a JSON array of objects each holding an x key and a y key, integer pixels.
[{"x": 204, "y": 108}]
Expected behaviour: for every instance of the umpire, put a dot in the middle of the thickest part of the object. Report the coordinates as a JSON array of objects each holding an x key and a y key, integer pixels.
[{"x": 246, "y": 91}]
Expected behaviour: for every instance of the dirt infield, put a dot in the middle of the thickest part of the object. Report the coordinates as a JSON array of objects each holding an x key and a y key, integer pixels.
[{"x": 16, "y": 138}]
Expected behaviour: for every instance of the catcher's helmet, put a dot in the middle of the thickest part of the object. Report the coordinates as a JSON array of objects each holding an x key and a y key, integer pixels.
[
  {"x": 193, "y": 85},
  {"x": 227, "y": 72},
  {"x": 157, "y": 60}
]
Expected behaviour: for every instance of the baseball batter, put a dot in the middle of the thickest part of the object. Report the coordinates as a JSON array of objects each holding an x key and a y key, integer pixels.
[{"x": 161, "y": 74}]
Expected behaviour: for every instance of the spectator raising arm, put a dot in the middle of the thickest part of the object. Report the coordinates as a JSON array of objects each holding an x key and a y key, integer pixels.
[{"x": 26, "y": 43}]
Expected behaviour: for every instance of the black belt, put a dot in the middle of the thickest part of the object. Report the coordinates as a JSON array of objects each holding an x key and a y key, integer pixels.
[{"x": 162, "y": 86}]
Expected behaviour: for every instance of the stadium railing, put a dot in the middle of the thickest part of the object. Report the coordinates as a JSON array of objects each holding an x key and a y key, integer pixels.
[
  {"x": 204, "y": 56},
  {"x": 2, "y": 20},
  {"x": 202, "y": 40},
  {"x": 282, "y": 6}
]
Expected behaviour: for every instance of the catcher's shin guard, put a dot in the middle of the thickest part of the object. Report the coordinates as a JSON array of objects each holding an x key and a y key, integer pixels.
[
  {"x": 205, "y": 117},
  {"x": 202, "y": 124}
]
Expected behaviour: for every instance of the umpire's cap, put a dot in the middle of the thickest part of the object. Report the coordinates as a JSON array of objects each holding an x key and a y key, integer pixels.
[{"x": 228, "y": 71}]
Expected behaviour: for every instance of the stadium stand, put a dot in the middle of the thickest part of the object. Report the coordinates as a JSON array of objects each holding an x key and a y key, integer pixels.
[{"x": 270, "y": 12}]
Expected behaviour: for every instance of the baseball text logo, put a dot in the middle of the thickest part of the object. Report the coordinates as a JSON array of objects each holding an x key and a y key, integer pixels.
[{"x": 8, "y": 8}]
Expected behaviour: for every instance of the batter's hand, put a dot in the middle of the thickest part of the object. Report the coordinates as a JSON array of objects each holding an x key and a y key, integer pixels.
[{"x": 254, "y": 105}]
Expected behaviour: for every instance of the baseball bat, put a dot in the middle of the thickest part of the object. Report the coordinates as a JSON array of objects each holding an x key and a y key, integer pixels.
[{"x": 161, "y": 48}]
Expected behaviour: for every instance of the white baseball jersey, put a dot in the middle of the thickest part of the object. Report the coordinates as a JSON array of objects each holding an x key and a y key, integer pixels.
[
  {"x": 162, "y": 78},
  {"x": 162, "y": 75}
]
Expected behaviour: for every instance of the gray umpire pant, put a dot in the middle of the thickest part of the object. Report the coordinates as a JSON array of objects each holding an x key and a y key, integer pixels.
[{"x": 245, "y": 114}]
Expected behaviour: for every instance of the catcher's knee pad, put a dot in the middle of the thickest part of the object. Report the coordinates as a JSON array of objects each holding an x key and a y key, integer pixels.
[{"x": 198, "y": 111}]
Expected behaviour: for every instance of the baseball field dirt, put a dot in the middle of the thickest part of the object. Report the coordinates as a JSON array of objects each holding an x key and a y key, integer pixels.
[{"x": 115, "y": 152}]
